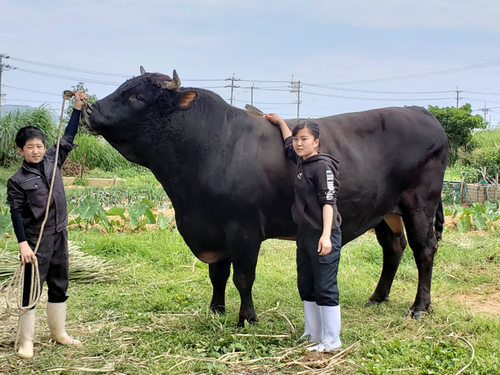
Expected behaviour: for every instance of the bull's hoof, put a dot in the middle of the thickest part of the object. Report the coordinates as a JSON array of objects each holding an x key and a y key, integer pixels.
[
  {"x": 218, "y": 309},
  {"x": 416, "y": 315},
  {"x": 250, "y": 320},
  {"x": 370, "y": 302}
]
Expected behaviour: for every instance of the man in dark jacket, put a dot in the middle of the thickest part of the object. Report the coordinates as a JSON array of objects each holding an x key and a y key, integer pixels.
[{"x": 27, "y": 195}]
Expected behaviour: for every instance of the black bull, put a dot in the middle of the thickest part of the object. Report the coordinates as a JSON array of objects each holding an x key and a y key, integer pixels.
[{"x": 225, "y": 171}]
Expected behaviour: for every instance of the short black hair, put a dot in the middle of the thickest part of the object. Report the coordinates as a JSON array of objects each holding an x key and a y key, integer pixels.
[{"x": 28, "y": 132}]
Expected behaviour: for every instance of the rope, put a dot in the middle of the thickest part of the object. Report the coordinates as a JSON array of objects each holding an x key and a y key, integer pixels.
[{"x": 16, "y": 284}]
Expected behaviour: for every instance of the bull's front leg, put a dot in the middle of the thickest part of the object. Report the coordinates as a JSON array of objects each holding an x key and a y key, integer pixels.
[
  {"x": 244, "y": 244},
  {"x": 219, "y": 273}
]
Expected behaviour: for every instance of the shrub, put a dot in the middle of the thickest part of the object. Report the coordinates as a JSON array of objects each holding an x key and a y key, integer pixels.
[
  {"x": 10, "y": 123},
  {"x": 98, "y": 153},
  {"x": 488, "y": 157}
]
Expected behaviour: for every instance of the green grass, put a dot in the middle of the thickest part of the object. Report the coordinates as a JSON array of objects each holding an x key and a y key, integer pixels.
[{"x": 158, "y": 309}]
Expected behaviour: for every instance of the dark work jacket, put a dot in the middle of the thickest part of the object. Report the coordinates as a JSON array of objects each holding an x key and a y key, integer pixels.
[
  {"x": 316, "y": 184},
  {"x": 28, "y": 190}
]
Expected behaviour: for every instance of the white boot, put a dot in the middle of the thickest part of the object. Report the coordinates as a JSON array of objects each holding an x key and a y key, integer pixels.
[
  {"x": 313, "y": 327},
  {"x": 26, "y": 334},
  {"x": 331, "y": 330},
  {"x": 56, "y": 318}
]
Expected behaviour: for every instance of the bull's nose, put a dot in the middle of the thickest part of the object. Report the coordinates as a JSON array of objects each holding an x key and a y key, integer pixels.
[{"x": 89, "y": 109}]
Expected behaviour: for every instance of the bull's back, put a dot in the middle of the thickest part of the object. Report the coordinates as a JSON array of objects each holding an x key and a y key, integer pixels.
[{"x": 380, "y": 153}]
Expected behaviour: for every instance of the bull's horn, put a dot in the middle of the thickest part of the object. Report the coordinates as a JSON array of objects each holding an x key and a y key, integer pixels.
[
  {"x": 175, "y": 83},
  {"x": 143, "y": 71}
]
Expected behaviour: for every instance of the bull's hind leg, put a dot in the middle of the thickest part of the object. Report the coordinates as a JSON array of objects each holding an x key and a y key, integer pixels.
[
  {"x": 244, "y": 244},
  {"x": 418, "y": 216},
  {"x": 390, "y": 236},
  {"x": 219, "y": 273}
]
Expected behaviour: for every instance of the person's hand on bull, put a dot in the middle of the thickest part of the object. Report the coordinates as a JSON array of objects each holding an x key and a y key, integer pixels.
[
  {"x": 274, "y": 118},
  {"x": 277, "y": 120},
  {"x": 80, "y": 99},
  {"x": 26, "y": 253}
]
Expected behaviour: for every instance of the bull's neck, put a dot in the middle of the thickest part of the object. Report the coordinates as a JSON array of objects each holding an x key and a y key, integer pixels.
[{"x": 181, "y": 154}]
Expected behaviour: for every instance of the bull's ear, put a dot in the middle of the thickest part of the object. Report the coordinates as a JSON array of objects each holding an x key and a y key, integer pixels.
[
  {"x": 143, "y": 71},
  {"x": 186, "y": 99}
]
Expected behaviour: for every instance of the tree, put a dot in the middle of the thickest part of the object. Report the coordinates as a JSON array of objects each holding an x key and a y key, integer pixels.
[{"x": 458, "y": 124}]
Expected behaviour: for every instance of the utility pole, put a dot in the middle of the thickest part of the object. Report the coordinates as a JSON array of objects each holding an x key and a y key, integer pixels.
[
  {"x": 458, "y": 92},
  {"x": 295, "y": 87},
  {"x": 2, "y": 68},
  {"x": 485, "y": 111},
  {"x": 253, "y": 87},
  {"x": 232, "y": 79},
  {"x": 251, "y": 94}
]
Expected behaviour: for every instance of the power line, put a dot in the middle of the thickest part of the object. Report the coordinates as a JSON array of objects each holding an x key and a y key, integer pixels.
[
  {"x": 71, "y": 68},
  {"x": 35, "y": 101},
  {"x": 97, "y": 72},
  {"x": 378, "y": 99},
  {"x": 377, "y": 92},
  {"x": 40, "y": 92},
  {"x": 69, "y": 77},
  {"x": 262, "y": 81},
  {"x": 246, "y": 101},
  {"x": 483, "y": 93},
  {"x": 482, "y": 100},
  {"x": 427, "y": 74},
  {"x": 266, "y": 89}
]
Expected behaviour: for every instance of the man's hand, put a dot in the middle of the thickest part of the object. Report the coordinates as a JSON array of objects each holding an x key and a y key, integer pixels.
[
  {"x": 27, "y": 254},
  {"x": 324, "y": 245},
  {"x": 80, "y": 99}
]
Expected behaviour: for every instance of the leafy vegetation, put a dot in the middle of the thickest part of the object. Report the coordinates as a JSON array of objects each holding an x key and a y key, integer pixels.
[
  {"x": 478, "y": 216},
  {"x": 90, "y": 215},
  {"x": 13, "y": 121}
]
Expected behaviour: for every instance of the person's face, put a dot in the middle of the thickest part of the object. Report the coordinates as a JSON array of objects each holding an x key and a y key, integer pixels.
[
  {"x": 33, "y": 150},
  {"x": 304, "y": 143}
]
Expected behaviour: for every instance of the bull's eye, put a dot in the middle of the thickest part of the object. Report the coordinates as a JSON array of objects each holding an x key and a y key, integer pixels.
[{"x": 138, "y": 97}]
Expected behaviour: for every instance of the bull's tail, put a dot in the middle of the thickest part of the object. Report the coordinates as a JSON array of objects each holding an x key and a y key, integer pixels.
[{"x": 439, "y": 221}]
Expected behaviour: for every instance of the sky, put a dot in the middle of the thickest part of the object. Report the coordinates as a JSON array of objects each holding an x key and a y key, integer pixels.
[{"x": 348, "y": 55}]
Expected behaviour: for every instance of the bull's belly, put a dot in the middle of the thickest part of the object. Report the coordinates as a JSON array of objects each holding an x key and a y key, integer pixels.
[{"x": 211, "y": 257}]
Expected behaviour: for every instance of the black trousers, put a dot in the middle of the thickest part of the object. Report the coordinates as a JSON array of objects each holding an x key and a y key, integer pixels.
[
  {"x": 317, "y": 274},
  {"x": 53, "y": 266}
]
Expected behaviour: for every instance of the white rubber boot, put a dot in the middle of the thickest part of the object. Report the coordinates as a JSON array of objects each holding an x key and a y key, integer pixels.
[
  {"x": 56, "y": 318},
  {"x": 331, "y": 330},
  {"x": 26, "y": 334},
  {"x": 313, "y": 327}
]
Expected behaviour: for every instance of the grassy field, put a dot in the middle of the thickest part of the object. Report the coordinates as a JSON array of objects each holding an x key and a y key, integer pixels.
[{"x": 155, "y": 319}]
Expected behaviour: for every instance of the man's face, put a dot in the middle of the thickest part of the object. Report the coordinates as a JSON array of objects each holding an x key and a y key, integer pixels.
[{"x": 33, "y": 150}]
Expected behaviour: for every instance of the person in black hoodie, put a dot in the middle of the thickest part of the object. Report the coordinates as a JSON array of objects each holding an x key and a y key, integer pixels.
[{"x": 319, "y": 238}]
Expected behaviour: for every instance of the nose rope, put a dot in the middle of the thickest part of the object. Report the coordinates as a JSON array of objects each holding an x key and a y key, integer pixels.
[{"x": 15, "y": 288}]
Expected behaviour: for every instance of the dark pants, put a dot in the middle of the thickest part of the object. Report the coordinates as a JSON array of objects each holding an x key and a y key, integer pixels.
[
  {"x": 317, "y": 274},
  {"x": 53, "y": 266}
]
